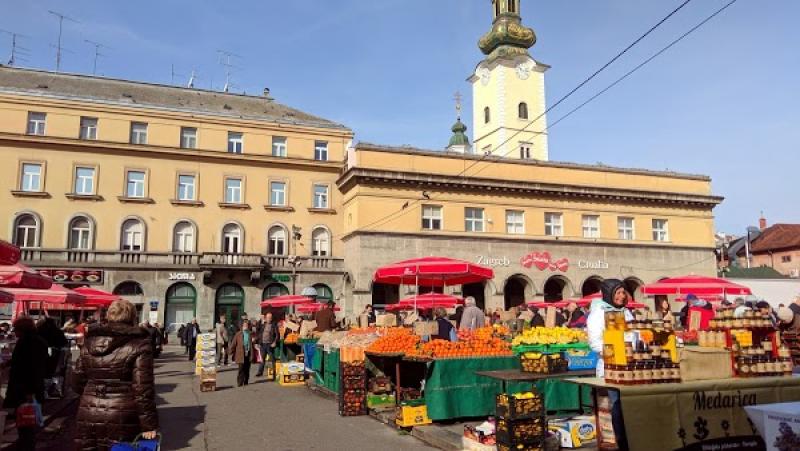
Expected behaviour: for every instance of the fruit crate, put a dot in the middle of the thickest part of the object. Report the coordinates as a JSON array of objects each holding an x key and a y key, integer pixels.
[
  {"x": 520, "y": 447},
  {"x": 551, "y": 348},
  {"x": 511, "y": 408},
  {"x": 539, "y": 363},
  {"x": 408, "y": 416},
  {"x": 352, "y": 389},
  {"x": 527, "y": 431}
]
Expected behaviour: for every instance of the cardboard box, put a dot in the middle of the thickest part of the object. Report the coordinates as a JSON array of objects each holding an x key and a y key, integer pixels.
[
  {"x": 699, "y": 364},
  {"x": 388, "y": 320},
  {"x": 307, "y": 328},
  {"x": 575, "y": 432},
  {"x": 426, "y": 328}
]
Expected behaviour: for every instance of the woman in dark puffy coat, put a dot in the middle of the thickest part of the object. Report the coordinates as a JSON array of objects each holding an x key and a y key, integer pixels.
[{"x": 114, "y": 375}]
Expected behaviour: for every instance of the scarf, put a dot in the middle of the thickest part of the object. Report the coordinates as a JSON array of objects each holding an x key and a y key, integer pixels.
[{"x": 246, "y": 338}]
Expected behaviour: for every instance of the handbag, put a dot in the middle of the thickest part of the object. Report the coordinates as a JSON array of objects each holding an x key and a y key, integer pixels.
[
  {"x": 259, "y": 357},
  {"x": 30, "y": 415}
]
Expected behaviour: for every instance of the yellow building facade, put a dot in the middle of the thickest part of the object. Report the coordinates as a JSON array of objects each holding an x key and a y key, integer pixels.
[{"x": 171, "y": 191}]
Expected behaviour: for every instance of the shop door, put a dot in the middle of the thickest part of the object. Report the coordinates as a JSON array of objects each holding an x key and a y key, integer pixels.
[
  {"x": 230, "y": 302},
  {"x": 181, "y": 307}
]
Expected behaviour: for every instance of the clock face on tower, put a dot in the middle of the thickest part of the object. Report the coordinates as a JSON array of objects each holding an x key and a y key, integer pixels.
[
  {"x": 524, "y": 69},
  {"x": 484, "y": 74}
]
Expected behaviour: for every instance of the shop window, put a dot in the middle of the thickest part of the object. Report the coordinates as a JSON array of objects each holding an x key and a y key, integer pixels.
[{"x": 129, "y": 288}]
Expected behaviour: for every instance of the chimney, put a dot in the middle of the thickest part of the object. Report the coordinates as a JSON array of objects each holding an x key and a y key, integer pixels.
[{"x": 762, "y": 222}]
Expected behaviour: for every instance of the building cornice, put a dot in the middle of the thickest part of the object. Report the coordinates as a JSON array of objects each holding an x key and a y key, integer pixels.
[
  {"x": 151, "y": 151},
  {"x": 361, "y": 176},
  {"x": 522, "y": 240}
]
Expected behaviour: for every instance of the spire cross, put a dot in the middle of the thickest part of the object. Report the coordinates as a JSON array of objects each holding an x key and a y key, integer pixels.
[{"x": 457, "y": 97}]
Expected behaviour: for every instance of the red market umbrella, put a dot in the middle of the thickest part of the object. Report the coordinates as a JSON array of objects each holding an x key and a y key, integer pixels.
[
  {"x": 312, "y": 308},
  {"x": 432, "y": 271},
  {"x": 20, "y": 276},
  {"x": 96, "y": 298},
  {"x": 286, "y": 301},
  {"x": 56, "y": 294},
  {"x": 545, "y": 304},
  {"x": 635, "y": 305},
  {"x": 705, "y": 297},
  {"x": 697, "y": 285},
  {"x": 427, "y": 301},
  {"x": 6, "y": 297},
  {"x": 9, "y": 254}
]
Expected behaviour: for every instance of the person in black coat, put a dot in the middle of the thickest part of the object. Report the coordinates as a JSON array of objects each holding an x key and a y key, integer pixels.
[
  {"x": 26, "y": 378},
  {"x": 445, "y": 327},
  {"x": 181, "y": 335},
  {"x": 190, "y": 335},
  {"x": 56, "y": 341}
]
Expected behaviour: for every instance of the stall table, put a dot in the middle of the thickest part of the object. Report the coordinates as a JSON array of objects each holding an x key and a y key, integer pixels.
[
  {"x": 693, "y": 415},
  {"x": 558, "y": 396}
]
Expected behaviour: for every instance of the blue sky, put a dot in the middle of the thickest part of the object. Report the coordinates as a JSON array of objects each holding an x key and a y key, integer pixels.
[{"x": 723, "y": 102}]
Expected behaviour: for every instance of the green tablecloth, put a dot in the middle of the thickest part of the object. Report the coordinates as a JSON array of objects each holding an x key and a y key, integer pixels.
[{"x": 453, "y": 390}]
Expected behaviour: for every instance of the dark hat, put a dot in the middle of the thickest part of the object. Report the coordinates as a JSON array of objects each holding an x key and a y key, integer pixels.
[{"x": 609, "y": 287}]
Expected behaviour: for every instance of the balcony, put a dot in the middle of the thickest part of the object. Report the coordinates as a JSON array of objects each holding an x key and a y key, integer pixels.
[
  {"x": 211, "y": 260},
  {"x": 322, "y": 264},
  {"x": 108, "y": 259}
]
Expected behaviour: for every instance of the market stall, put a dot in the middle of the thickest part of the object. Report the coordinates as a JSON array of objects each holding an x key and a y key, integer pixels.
[{"x": 9, "y": 254}]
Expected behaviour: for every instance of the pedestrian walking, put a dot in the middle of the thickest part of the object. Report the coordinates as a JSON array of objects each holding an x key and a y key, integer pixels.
[
  {"x": 223, "y": 339},
  {"x": 114, "y": 376},
  {"x": 26, "y": 377},
  {"x": 473, "y": 317},
  {"x": 268, "y": 334},
  {"x": 192, "y": 331},
  {"x": 181, "y": 332},
  {"x": 243, "y": 352}
]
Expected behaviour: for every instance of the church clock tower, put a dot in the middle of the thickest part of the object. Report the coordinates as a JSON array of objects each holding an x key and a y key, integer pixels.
[{"x": 508, "y": 90}]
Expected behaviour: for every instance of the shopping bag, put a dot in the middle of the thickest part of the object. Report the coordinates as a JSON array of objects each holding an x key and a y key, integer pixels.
[
  {"x": 259, "y": 357},
  {"x": 139, "y": 444},
  {"x": 30, "y": 415}
]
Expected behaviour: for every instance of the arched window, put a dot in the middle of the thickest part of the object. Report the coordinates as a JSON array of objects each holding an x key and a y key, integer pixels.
[
  {"x": 132, "y": 236},
  {"x": 523, "y": 110},
  {"x": 275, "y": 289},
  {"x": 183, "y": 237},
  {"x": 320, "y": 242},
  {"x": 26, "y": 230},
  {"x": 232, "y": 239},
  {"x": 277, "y": 240},
  {"x": 80, "y": 233},
  {"x": 324, "y": 293},
  {"x": 129, "y": 288},
  {"x": 487, "y": 115}
]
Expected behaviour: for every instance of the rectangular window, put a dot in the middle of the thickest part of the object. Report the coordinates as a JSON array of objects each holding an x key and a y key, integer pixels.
[
  {"x": 431, "y": 217},
  {"x": 525, "y": 151},
  {"x": 515, "y": 222},
  {"x": 233, "y": 191},
  {"x": 660, "y": 230},
  {"x": 31, "y": 177},
  {"x": 321, "y": 196},
  {"x": 279, "y": 146},
  {"x": 88, "y": 128},
  {"x": 186, "y": 187},
  {"x": 473, "y": 219},
  {"x": 277, "y": 194},
  {"x": 625, "y": 228},
  {"x": 553, "y": 224},
  {"x": 786, "y": 258},
  {"x": 138, "y": 133},
  {"x": 134, "y": 184},
  {"x": 188, "y": 138},
  {"x": 235, "y": 142},
  {"x": 36, "y": 123},
  {"x": 321, "y": 151},
  {"x": 591, "y": 226},
  {"x": 84, "y": 181}
]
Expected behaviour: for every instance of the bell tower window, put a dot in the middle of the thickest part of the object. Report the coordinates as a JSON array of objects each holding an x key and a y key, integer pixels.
[
  {"x": 487, "y": 115},
  {"x": 512, "y": 6},
  {"x": 523, "y": 110}
]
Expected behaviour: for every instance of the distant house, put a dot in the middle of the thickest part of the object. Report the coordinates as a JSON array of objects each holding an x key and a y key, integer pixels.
[{"x": 777, "y": 247}]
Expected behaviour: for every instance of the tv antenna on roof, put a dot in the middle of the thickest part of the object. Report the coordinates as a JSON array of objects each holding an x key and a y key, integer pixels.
[
  {"x": 97, "y": 53},
  {"x": 192, "y": 78},
  {"x": 16, "y": 49},
  {"x": 173, "y": 74},
  {"x": 59, "y": 49},
  {"x": 225, "y": 60}
]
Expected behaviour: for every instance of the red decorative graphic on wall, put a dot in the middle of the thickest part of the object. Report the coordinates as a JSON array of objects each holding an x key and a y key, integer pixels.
[{"x": 543, "y": 261}]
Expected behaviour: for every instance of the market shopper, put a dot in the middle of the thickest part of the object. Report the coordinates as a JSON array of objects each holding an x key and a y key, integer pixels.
[
  {"x": 325, "y": 318},
  {"x": 191, "y": 333},
  {"x": 268, "y": 334},
  {"x": 446, "y": 331},
  {"x": 223, "y": 339},
  {"x": 56, "y": 342},
  {"x": 26, "y": 375},
  {"x": 114, "y": 376},
  {"x": 243, "y": 352},
  {"x": 576, "y": 319},
  {"x": 473, "y": 317},
  {"x": 181, "y": 332},
  {"x": 615, "y": 298}
]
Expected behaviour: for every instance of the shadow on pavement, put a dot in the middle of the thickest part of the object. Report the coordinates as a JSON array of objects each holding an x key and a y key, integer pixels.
[{"x": 179, "y": 425}]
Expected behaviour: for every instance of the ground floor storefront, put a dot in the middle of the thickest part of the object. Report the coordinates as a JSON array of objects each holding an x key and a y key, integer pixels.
[{"x": 524, "y": 270}]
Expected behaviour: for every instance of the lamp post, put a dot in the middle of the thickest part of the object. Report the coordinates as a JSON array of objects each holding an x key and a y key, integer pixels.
[{"x": 296, "y": 236}]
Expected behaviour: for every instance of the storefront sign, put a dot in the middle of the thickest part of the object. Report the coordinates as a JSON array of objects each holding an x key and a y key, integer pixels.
[
  {"x": 493, "y": 262},
  {"x": 82, "y": 276},
  {"x": 592, "y": 264},
  {"x": 181, "y": 276},
  {"x": 543, "y": 261},
  {"x": 281, "y": 278}
]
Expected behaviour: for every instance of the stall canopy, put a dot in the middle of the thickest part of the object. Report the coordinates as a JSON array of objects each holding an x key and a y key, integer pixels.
[
  {"x": 697, "y": 285},
  {"x": 20, "y": 276},
  {"x": 56, "y": 294},
  {"x": 96, "y": 298},
  {"x": 5, "y": 297},
  {"x": 432, "y": 271},
  {"x": 312, "y": 308},
  {"x": 545, "y": 304},
  {"x": 427, "y": 301},
  {"x": 286, "y": 301},
  {"x": 9, "y": 254}
]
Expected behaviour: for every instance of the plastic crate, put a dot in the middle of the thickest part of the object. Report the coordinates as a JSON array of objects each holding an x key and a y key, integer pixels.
[
  {"x": 528, "y": 431},
  {"x": 540, "y": 363},
  {"x": 380, "y": 401},
  {"x": 511, "y": 408},
  {"x": 409, "y": 416}
]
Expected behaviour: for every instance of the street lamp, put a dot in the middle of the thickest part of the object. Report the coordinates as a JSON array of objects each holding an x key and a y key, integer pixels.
[{"x": 292, "y": 260}]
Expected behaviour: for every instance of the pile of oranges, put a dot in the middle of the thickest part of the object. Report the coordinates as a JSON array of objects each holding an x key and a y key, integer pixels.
[
  {"x": 396, "y": 340},
  {"x": 473, "y": 346},
  {"x": 291, "y": 338}
]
